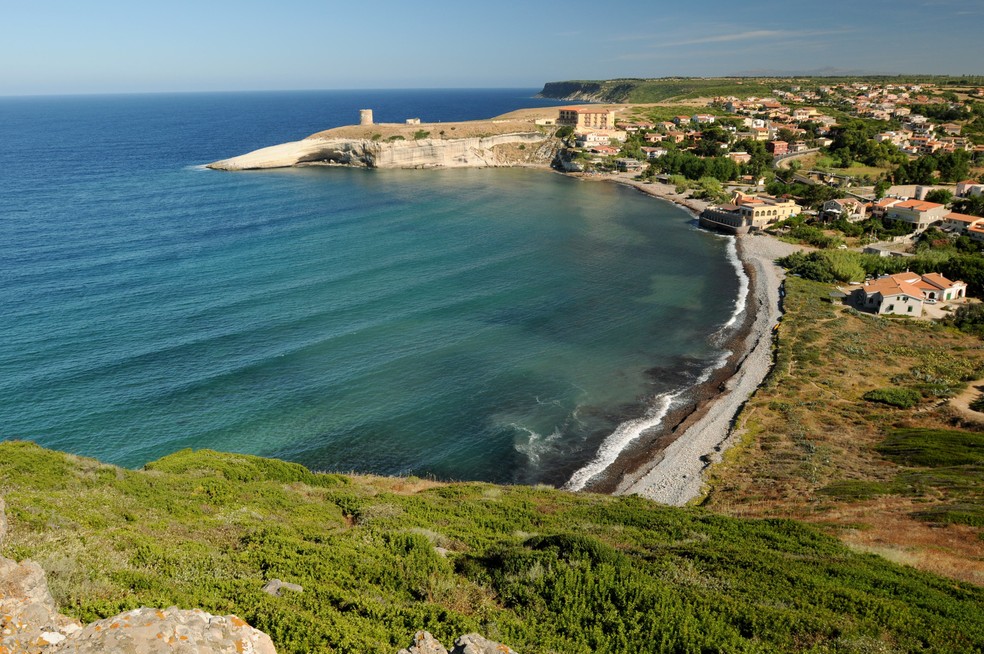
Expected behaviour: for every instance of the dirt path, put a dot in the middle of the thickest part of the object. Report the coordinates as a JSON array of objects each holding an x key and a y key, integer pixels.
[{"x": 961, "y": 403}]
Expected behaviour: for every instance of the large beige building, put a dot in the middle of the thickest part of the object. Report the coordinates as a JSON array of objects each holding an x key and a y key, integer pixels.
[
  {"x": 748, "y": 213},
  {"x": 582, "y": 118}
]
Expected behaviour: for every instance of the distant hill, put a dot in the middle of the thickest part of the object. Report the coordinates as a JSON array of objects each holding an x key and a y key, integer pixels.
[{"x": 676, "y": 89}]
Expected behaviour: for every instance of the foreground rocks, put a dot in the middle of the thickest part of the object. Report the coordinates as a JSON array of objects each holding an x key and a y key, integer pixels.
[
  {"x": 30, "y": 623},
  {"x": 425, "y": 643}
]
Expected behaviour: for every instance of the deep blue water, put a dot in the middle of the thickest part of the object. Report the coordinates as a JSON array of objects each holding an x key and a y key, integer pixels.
[{"x": 469, "y": 324}]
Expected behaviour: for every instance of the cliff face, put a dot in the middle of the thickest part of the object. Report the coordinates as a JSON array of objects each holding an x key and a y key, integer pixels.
[{"x": 527, "y": 148}]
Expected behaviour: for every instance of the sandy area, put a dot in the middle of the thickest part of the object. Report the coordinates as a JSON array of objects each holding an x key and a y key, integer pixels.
[
  {"x": 674, "y": 474},
  {"x": 961, "y": 403}
]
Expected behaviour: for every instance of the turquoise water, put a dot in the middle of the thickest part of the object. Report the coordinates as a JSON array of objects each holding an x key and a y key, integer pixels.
[{"x": 466, "y": 324}]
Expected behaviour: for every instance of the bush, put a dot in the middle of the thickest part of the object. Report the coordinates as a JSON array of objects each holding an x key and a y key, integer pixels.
[
  {"x": 420, "y": 134},
  {"x": 903, "y": 398}
]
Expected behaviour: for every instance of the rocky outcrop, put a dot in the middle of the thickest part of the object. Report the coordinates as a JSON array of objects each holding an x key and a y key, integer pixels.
[
  {"x": 276, "y": 587},
  {"x": 425, "y": 643},
  {"x": 525, "y": 148},
  {"x": 152, "y": 631},
  {"x": 30, "y": 623}
]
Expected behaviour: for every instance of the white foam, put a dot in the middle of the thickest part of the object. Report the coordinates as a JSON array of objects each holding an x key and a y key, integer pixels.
[
  {"x": 619, "y": 439},
  {"x": 743, "y": 283},
  {"x": 198, "y": 167},
  {"x": 536, "y": 443}
]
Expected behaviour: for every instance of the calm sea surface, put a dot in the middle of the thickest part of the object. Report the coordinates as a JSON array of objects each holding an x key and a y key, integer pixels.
[{"x": 468, "y": 324}]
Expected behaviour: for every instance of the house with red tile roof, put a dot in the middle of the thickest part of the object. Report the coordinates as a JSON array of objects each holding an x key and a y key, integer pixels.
[
  {"x": 904, "y": 293},
  {"x": 880, "y": 207},
  {"x": 886, "y": 296},
  {"x": 917, "y": 212},
  {"x": 959, "y": 223}
]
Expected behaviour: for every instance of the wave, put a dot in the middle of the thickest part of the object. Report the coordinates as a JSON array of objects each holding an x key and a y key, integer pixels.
[
  {"x": 536, "y": 444},
  {"x": 626, "y": 432},
  {"x": 743, "y": 283}
]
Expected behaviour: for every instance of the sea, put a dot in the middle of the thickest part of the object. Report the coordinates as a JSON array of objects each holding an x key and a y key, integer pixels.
[{"x": 505, "y": 325}]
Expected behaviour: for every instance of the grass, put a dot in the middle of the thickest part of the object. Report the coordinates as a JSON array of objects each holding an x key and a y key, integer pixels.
[
  {"x": 539, "y": 569},
  {"x": 823, "y": 453}
]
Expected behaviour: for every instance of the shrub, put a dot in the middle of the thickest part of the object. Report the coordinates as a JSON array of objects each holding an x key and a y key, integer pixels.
[
  {"x": 904, "y": 398},
  {"x": 420, "y": 134}
]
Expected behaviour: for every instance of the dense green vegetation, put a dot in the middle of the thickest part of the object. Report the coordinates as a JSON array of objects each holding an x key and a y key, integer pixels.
[
  {"x": 542, "y": 570},
  {"x": 904, "y": 398}
]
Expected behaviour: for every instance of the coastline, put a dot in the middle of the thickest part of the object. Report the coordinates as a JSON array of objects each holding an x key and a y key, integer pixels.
[{"x": 671, "y": 469}]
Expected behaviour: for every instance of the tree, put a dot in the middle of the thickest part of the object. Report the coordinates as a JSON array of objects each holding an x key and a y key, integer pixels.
[
  {"x": 940, "y": 196},
  {"x": 881, "y": 188},
  {"x": 972, "y": 206}
]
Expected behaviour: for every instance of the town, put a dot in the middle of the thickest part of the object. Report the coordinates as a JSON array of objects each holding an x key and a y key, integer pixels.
[{"x": 882, "y": 170}]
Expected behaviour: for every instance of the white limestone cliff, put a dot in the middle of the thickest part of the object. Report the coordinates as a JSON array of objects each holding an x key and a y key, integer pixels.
[{"x": 515, "y": 149}]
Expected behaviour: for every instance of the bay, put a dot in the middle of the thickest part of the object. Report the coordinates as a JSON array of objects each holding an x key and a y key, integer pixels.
[{"x": 464, "y": 324}]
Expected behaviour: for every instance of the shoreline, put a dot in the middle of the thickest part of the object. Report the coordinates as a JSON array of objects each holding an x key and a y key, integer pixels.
[{"x": 671, "y": 467}]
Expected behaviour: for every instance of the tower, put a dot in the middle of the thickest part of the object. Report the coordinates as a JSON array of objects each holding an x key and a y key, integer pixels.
[{"x": 365, "y": 116}]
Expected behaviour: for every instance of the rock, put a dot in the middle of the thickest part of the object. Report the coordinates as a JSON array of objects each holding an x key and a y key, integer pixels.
[
  {"x": 275, "y": 587},
  {"x": 176, "y": 631},
  {"x": 424, "y": 643},
  {"x": 475, "y": 644},
  {"x": 29, "y": 621}
]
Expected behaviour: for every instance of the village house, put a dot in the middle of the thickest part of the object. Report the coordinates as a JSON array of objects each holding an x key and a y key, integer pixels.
[
  {"x": 959, "y": 223},
  {"x": 747, "y": 213},
  {"x": 848, "y": 208},
  {"x": 917, "y": 212},
  {"x": 777, "y": 148},
  {"x": 968, "y": 188},
  {"x": 582, "y": 118},
  {"x": 702, "y": 119},
  {"x": 628, "y": 165},
  {"x": 739, "y": 157},
  {"x": 904, "y": 293},
  {"x": 880, "y": 207},
  {"x": 654, "y": 153}
]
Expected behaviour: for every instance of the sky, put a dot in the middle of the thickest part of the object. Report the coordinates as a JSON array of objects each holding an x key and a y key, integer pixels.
[{"x": 137, "y": 46}]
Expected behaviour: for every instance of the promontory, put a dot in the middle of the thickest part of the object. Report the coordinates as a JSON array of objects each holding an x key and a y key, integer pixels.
[{"x": 517, "y": 139}]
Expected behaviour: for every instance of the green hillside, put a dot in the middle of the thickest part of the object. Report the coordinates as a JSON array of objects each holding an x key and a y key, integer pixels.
[{"x": 379, "y": 558}]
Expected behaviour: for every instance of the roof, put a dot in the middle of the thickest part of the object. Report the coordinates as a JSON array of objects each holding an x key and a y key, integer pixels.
[
  {"x": 939, "y": 281},
  {"x": 918, "y": 205},
  {"x": 888, "y": 286},
  {"x": 962, "y": 218}
]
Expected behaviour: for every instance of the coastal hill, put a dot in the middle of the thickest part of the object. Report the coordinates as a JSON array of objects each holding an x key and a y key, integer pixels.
[
  {"x": 377, "y": 559},
  {"x": 697, "y": 90},
  {"x": 516, "y": 141}
]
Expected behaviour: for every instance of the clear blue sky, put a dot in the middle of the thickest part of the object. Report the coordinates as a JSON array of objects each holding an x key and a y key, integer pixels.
[{"x": 98, "y": 46}]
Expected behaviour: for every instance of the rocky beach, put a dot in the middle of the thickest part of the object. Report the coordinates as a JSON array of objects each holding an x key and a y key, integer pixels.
[{"x": 669, "y": 469}]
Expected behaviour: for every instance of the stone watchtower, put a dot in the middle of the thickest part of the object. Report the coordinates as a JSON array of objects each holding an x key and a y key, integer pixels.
[{"x": 365, "y": 116}]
